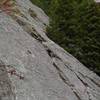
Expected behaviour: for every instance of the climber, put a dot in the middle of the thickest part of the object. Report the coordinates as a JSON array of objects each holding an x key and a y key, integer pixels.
[{"x": 13, "y": 72}]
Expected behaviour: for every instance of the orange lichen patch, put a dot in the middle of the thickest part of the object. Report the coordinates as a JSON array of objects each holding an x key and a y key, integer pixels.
[
  {"x": 6, "y": 5},
  {"x": 9, "y": 6}
]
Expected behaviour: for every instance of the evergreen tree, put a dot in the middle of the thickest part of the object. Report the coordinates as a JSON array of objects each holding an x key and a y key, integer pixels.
[{"x": 75, "y": 25}]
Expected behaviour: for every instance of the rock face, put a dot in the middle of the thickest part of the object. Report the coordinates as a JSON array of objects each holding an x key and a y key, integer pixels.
[
  {"x": 98, "y": 1},
  {"x": 32, "y": 67}
]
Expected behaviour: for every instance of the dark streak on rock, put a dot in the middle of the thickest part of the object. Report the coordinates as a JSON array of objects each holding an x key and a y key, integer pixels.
[
  {"x": 66, "y": 81},
  {"x": 20, "y": 22},
  {"x": 29, "y": 51},
  {"x": 85, "y": 84},
  {"x": 79, "y": 98},
  {"x": 98, "y": 84},
  {"x": 52, "y": 54},
  {"x": 37, "y": 37},
  {"x": 62, "y": 76}
]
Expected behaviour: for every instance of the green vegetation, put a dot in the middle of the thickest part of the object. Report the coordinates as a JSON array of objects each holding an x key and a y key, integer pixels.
[
  {"x": 75, "y": 25},
  {"x": 44, "y": 4}
]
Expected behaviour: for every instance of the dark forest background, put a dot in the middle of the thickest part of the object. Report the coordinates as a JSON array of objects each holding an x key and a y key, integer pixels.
[{"x": 75, "y": 25}]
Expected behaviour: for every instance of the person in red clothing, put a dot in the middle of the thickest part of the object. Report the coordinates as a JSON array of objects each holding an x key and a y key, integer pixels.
[{"x": 13, "y": 72}]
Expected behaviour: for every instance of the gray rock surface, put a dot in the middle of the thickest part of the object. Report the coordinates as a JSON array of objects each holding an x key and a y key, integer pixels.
[
  {"x": 32, "y": 67},
  {"x": 98, "y": 1}
]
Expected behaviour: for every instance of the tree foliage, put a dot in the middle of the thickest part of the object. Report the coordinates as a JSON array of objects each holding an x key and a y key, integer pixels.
[
  {"x": 44, "y": 4},
  {"x": 75, "y": 25}
]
